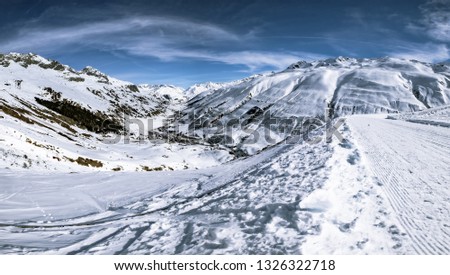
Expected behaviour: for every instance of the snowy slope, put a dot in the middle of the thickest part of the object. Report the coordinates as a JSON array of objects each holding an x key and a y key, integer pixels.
[
  {"x": 93, "y": 90},
  {"x": 196, "y": 89},
  {"x": 348, "y": 85}
]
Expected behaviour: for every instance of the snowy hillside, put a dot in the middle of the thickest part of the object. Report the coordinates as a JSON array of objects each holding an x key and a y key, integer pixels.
[
  {"x": 343, "y": 86},
  {"x": 56, "y": 118}
]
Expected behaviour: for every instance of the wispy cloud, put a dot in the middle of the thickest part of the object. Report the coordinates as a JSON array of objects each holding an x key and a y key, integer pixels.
[
  {"x": 434, "y": 24},
  {"x": 255, "y": 60},
  {"x": 153, "y": 30},
  {"x": 167, "y": 39},
  {"x": 429, "y": 52},
  {"x": 435, "y": 21}
]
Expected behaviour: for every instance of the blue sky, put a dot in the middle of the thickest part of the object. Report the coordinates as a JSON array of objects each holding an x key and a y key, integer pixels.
[{"x": 187, "y": 42}]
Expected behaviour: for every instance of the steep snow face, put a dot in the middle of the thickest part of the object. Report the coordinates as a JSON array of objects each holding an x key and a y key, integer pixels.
[
  {"x": 55, "y": 118},
  {"x": 342, "y": 86}
]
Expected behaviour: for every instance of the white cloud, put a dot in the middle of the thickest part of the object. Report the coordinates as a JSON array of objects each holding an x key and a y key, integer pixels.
[
  {"x": 428, "y": 52},
  {"x": 435, "y": 21},
  {"x": 163, "y": 38}
]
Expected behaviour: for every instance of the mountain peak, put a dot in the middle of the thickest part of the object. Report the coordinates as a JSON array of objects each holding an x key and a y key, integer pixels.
[
  {"x": 29, "y": 59},
  {"x": 92, "y": 71}
]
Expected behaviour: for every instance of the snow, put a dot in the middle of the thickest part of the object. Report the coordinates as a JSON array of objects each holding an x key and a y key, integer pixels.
[
  {"x": 35, "y": 79},
  {"x": 381, "y": 190}
]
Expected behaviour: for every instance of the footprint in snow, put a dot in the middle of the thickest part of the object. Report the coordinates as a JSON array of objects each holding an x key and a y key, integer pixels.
[{"x": 353, "y": 158}]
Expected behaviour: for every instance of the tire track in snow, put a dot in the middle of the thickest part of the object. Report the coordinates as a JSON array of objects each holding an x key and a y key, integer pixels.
[{"x": 411, "y": 162}]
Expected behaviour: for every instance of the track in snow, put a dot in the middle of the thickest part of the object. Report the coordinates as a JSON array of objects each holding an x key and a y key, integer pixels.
[{"x": 411, "y": 161}]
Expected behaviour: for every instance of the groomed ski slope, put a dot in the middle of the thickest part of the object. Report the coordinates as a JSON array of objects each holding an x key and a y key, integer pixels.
[{"x": 411, "y": 161}]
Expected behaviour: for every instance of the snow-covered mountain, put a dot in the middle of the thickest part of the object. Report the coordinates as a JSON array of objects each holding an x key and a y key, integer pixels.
[
  {"x": 343, "y": 86},
  {"x": 170, "y": 92},
  {"x": 56, "y": 118},
  {"x": 210, "y": 87}
]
